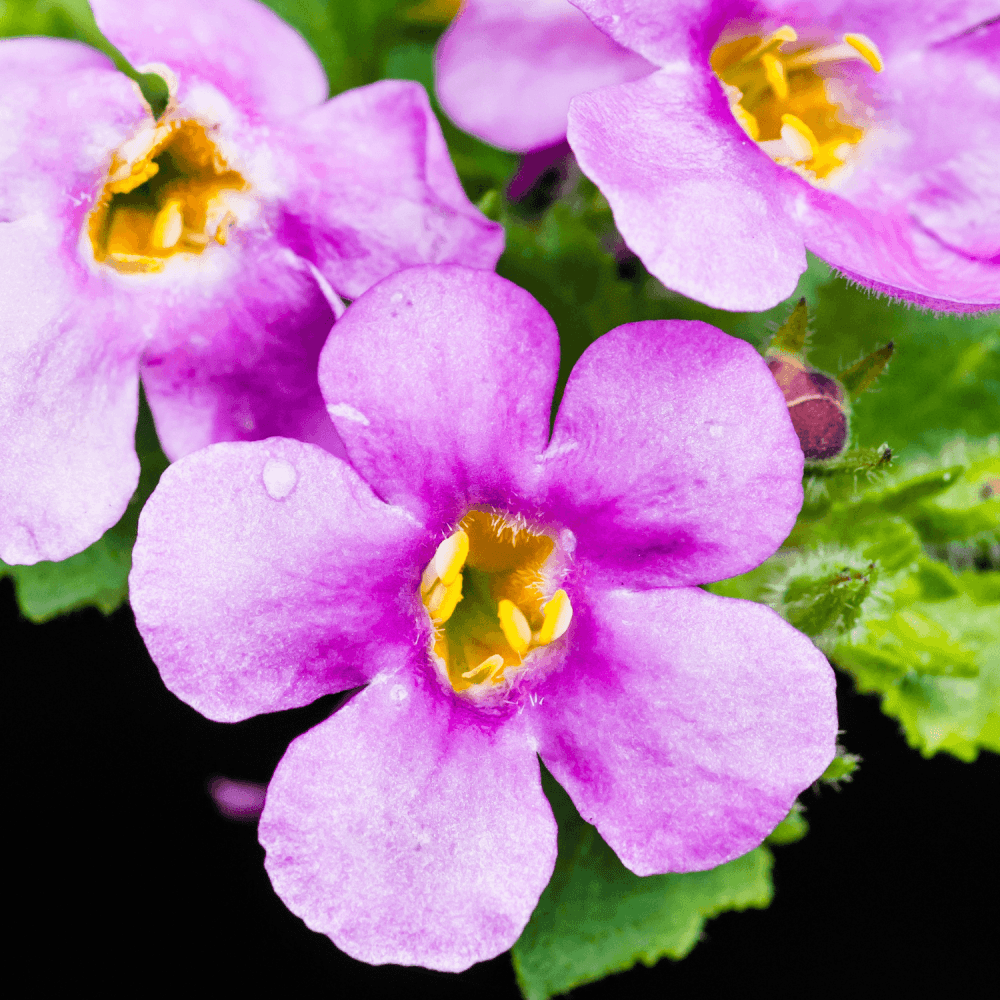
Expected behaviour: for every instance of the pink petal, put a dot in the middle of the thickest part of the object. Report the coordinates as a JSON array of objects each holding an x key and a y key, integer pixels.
[
  {"x": 266, "y": 574},
  {"x": 506, "y": 69},
  {"x": 250, "y": 54},
  {"x": 685, "y": 725},
  {"x": 673, "y": 458},
  {"x": 408, "y": 829},
  {"x": 439, "y": 380},
  {"x": 65, "y": 109},
  {"x": 375, "y": 190},
  {"x": 68, "y": 402},
  {"x": 692, "y": 195}
]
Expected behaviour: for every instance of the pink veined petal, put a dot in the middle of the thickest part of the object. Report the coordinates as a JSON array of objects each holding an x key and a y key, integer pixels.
[
  {"x": 685, "y": 724},
  {"x": 236, "y": 358},
  {"x": 692, "y": 195},
  {"x": 374, "y": 190},
  {"x": 673, "y": 458},
  {"x": 506, "y": 69},
  {"x": 663, "y": 31},
  {"x": 64, "y": 109},
  {"x": 266, "y": 574},
  {"x": 68, "y": 402},
  {"x": 257, "y": 60},
  {"x": 439, "y": 380},
  {"x": 407, "y": 829}
]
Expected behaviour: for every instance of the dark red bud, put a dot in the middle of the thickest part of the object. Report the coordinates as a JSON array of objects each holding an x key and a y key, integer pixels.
[{"x": 816, "y": 404}]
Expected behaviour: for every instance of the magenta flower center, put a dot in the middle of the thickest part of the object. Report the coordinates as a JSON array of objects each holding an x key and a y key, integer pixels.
[
  {"x": 488, "y": 592},
  {"x": 168, "y": 192},
  {"x": 792, "y": 101}
]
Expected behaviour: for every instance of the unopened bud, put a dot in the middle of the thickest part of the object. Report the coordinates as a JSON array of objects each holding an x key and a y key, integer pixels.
[{"x": 816, "y": 403}]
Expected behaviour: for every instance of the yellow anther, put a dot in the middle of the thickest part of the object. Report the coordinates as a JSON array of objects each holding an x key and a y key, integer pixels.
[
  {"x": 775, "y": 40},
  {"x": 867, "y": 49},
  {"x": 139, "y": 174},
  {"x": 491, "y": 666},
  {"x": 169, "y": 226},
  {"x": 558, "y": 613},
  {"x": 748, "y": 121},
  {"x": 514, "y": 626},
  {"x": 450, "y": 556},
  {"x": 428, "y": 579},
  {"x": 442, "y": 601},
  {"x": 774, "y": 71},
  {"x": 799, "y": 137}
]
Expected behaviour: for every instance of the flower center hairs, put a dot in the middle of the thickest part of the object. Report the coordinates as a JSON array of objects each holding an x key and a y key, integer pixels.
[
  {"x": 169, "y": 191},
  {"x": 487, "y": 591},
  {"x": 796, "y": 101}
]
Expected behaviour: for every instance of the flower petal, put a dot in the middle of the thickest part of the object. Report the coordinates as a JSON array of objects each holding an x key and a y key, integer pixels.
[
  {"x": 506, "y": 69},
  {"x": 266, "y": 574},
  {"x": 248, "y": 52},
  {"x": 237, "y": 359},
  {"x": 692, "y": 195},
  {"x": 376, "y": 191},
  {"x": 457, "y": 406},
  {"x": 661, "y": 31},
  {"x": 685, "y": 724},
  {"x": 673, "y": 458},
  {"x": 64, "y": 109},
  {"x": 407, "y": 830},
  {"x": 68, "y": 402}
]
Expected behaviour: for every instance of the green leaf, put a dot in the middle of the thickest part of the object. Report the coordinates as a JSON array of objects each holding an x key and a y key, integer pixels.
[
  {"x": 862, "y": 375},
  {"x": 98, "y": 576},
  {"x": 596, "y": 918},
  {"x": 841, "y": 768},
  {"x": 919, "y": 672},
  {"x": 791, "y": 829},
  {"x": 827, "y": 601}
]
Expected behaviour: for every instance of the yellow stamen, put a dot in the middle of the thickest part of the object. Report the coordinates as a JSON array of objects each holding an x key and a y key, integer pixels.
[
  {"x": 450, "y": 556},
  {"x": 786, "y": 33},
  {"x": 867, "y": 48},
  {"x": 748, "y": 122},
  {"x": 442, "y": 600},
  {"x": 491, "y": 666},
  {"x": 799, "y": 137},
  {"x": 169, "y": 226},
  {"x": 515, "y": 626},
  {"x": 558, "y": 613},
  {"x": 774, "y": 70}
]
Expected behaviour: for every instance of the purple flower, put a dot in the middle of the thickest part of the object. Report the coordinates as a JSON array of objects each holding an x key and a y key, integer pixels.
[
  {"x": 205, "y": 250},
  {"x": 507, "y": 69},
  {"x": 866, "y": 132},
  {"x": 504, "y": 594}
]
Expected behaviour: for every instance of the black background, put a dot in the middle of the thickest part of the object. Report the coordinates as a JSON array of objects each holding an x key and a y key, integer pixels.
[{"x": 122, "y": 875}]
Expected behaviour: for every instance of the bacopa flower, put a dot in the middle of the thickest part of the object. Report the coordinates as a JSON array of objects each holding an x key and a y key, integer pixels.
[
  {"x": 504, "y": 595},
  {"x": 206, "y": 249},
  {"x": 506, "y": 69},
  {"x": 864, "y": 131}
]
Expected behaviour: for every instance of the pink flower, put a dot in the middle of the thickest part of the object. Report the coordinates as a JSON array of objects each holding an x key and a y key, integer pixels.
[
  {"x": 866, "y": 132},
  {"x": 205, "y": 251},
  {"x": 507, "y": 69},
  {"x": 503, "y": 594}
]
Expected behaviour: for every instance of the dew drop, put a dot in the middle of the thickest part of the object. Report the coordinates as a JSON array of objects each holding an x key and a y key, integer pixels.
[{"x": 280, "y": 478}]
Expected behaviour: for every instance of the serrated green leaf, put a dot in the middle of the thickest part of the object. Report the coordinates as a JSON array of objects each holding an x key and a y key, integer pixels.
[
  {"x": 960, "y": 715},
  {"x": 596, "y": 917},
  {"x": 98, "y": 576},
  {"x": 829, "y": 602}
]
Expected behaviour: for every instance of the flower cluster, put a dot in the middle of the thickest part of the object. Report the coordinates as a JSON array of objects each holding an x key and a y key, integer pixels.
[{"x": 380, "y": 496}]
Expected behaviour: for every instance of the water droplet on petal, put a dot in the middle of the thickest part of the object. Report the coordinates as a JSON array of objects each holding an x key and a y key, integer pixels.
[{"x": 280, "y": 478}]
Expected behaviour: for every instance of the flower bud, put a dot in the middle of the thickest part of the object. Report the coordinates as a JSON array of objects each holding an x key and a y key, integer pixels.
[{"x": 817, "y": 405}]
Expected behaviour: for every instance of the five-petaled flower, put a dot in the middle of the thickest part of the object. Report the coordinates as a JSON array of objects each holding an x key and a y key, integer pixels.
[
  {"x": 863, "y": 130},
  {"x": 504, "y": 593},
  {"x": 205, "y": 249}
]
